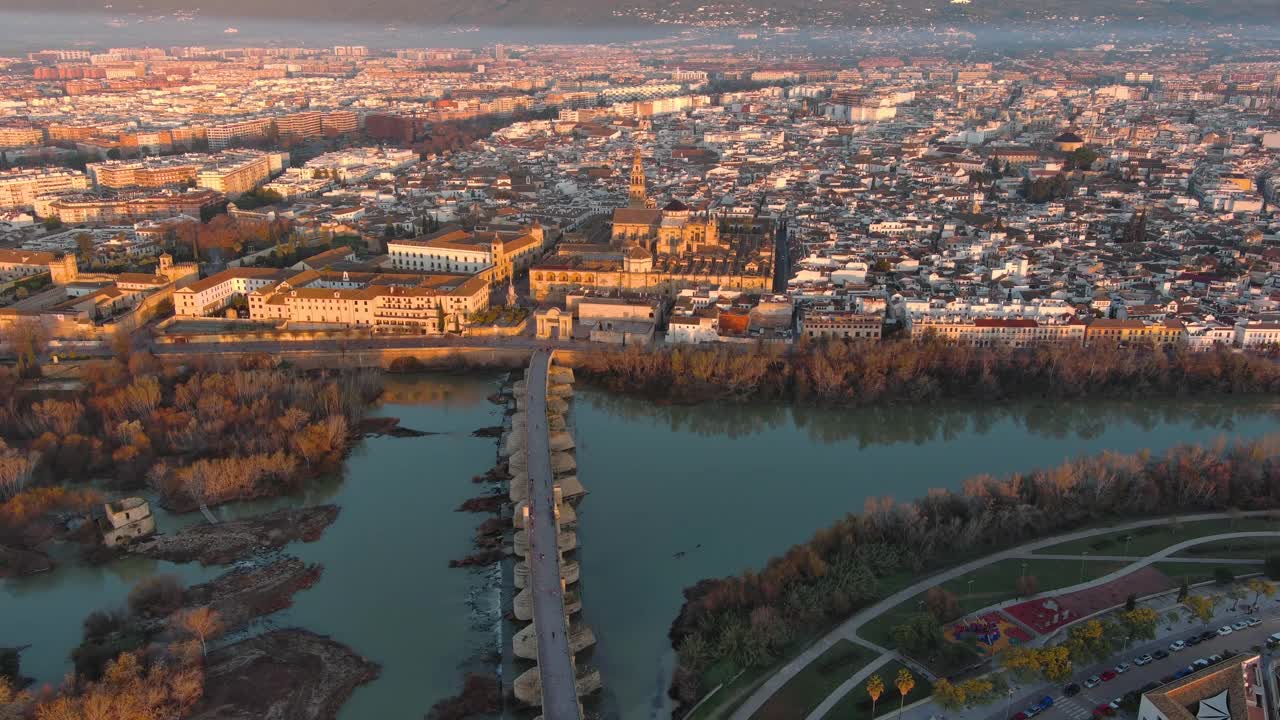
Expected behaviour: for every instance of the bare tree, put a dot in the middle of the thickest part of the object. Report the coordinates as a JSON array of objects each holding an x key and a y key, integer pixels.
[{"x": 202, "y": 622}]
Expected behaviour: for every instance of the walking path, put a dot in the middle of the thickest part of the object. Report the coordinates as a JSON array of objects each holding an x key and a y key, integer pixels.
[
  {"x": 1135, "y": 558},
  {"x": 848, "y": 630}
]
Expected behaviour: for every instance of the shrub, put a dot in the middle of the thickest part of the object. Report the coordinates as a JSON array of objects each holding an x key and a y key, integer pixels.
[{"x": 156, "y": 596}]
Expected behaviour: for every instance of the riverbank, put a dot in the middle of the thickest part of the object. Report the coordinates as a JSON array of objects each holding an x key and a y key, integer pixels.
[
  {"x": 844, "y": 568},
  {"x": 897, "y": 371},
  {"x": 282, "y": 674},
  {"x": 226, "y": 542}
]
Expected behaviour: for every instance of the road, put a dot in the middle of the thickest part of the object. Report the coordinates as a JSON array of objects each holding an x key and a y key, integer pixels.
[
  {"x": 555, "y": 663},
  {"x": 849, "y": 628}
]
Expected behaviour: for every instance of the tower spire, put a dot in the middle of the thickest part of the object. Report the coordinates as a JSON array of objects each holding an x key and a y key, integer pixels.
[{"x": 639, "y": 194}]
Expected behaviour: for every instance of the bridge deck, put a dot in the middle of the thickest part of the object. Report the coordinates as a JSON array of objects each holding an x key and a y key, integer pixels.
[{"x": 555, "y": 663}]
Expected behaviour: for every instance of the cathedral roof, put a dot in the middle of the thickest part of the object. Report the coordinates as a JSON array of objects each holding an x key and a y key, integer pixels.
[
  {"x": 636, "y": 216},
  {"x": 676, "y": 206}
]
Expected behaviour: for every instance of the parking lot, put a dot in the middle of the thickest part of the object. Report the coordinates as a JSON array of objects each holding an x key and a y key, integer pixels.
[{"x": 1081, "y": 706}]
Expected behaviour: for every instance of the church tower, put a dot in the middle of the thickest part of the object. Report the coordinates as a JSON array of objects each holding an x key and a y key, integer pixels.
[{"x": 639, "y": 194}]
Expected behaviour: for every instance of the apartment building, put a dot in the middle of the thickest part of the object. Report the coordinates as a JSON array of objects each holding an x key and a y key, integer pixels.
[
  {"x": 221, "y": 136},
  {"x": 1165, "y": 332},
  {"x": 236, "y": 173},
  {"x": 147, "y": 172},
  {"x": 127, "y": 208},
  {"x": 14, "y": 135},
  {"x": 20, "y": 188},
  {"x": 996, "y": 332},
  {"x": 1257, "y": 334}
]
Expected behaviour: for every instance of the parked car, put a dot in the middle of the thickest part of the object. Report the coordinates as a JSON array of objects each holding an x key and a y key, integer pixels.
[
  {"x": 1168, "y": 679},
  {"x": 1104, "y": 710},
  {"x": 1159, "y": 654},
  {"x": 1093, "y": 682},
  {"x": 1032, "y": 711},
  {"x": 1108, "y": 675},
  {"x": 1072, "y": 689},
  {"x": 1177, "y": 645},
  {"x": 1200, "y": 664},
  {"x": 1252, "y": 621},
  {"x": 1122, "y": 668},
  {"x": 1239, "y": 625},
  {"x": 1193, "y": 640},
  {"x": 1142, "y": 660},
  {"x": 1045, "y": 703},
  {"x": 1183, "y": 672},
  {"x": 1215, "y": 659},
  {"x": 1225, "y": 630},
  {"x": 1207, "y": 635},
  {"x": 1019, "y": 716}
]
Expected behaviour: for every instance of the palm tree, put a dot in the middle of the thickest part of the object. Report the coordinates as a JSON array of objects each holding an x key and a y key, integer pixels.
[
  {"x": 906, "y": 683},
  {"x": 875, "y": 688}
]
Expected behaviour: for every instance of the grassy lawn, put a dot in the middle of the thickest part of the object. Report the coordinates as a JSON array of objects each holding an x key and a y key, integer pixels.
[
  {"x": 812, "y": 685},
  {"x": 1192, "y": 573},
  {"x": 992, "y": 584},
  {"x": 857, "y": 706},
  {"x": 736, "y": 692},
  {"x": 1154, "y": 538},
  {"x": 732, "y": 695},
  {"x": 1256, "y": 548}
]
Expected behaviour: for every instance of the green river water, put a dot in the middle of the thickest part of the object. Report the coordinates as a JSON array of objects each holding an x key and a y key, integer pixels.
[{"x": 727, "y": 485}]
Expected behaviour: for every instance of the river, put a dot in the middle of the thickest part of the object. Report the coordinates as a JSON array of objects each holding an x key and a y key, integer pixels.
[{"x": 727, "y": 485}]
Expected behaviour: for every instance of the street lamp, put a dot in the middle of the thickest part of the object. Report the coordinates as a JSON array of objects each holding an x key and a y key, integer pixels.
[{"x": 1127, "y": 538}]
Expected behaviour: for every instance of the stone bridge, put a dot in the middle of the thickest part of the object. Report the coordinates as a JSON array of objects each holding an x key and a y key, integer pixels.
[{"x": 540, "y": 457}]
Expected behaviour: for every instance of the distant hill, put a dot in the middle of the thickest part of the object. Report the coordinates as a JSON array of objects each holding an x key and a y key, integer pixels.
[{"x": 561, "y": 13}]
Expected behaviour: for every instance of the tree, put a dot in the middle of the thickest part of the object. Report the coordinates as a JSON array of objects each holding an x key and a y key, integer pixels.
[
  {"x": 202, "y": 622},
  {"x": 875, "y": 688},
  {"x": 84, "y": 247},
  {"x": 1139, "y": 624},
  {"x": 978, "y": 690},
  {"x": 52, "y": 223},
  {"x": 1236, "y": 593},
  {"x": 905, "y": 684},
  {"x": 949, "y": 696},
  {"x": 1260, "y": 587},
  {"x": 1201, "y": 606},
  {"x": 942, "y": 603},
  {"x": 1183, "y": 592},
  {"x": 1223, "y": 576},
  {"x": 919, "y": 634},
  {"x": 1130, "y": 602}
]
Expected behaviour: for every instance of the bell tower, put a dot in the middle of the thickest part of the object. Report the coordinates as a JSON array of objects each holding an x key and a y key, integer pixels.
[{"x": 639, "y": 194}]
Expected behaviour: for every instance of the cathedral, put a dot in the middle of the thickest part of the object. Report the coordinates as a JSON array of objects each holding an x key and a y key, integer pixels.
[{"x": 673, "y": 230}]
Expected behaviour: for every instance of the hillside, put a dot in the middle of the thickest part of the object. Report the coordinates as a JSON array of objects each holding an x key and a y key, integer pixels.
[{"x": 744, "y": 12}]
